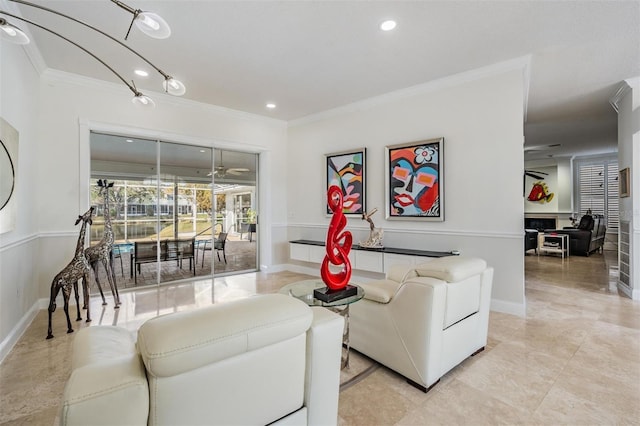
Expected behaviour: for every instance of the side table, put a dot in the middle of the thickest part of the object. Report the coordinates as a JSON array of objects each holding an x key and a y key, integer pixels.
[
  {"x": 303, "y": 290},
  {"x": 554, "y": 243}
]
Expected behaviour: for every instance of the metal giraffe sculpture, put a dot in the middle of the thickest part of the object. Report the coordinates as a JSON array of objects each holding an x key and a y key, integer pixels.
[
  {"x": 69, "y": 276},
  {"x": 103, "y": 250}
]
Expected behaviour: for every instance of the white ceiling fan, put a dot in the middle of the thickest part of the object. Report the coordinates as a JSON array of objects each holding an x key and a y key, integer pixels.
[
  {"x": 540, "y": 148},
  {"x": 221, "y": 171}
]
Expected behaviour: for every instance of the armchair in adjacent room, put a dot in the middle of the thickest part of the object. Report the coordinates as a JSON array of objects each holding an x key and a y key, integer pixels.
[{"x": 588, "y": 237}]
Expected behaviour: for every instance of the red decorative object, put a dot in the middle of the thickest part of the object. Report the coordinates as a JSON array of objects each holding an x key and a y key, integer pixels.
[{"x": 338, "y": 244}]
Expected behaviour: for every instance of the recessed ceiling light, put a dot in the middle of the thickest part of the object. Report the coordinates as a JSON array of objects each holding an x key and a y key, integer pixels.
[
  {"x": 129, "y": 140},
  {"x": 388, "y": 25},
  {"x": 270, "y": 105},
  {"x": 142, "y": 73}
]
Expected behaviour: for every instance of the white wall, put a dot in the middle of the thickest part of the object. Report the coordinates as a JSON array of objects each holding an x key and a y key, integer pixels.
[
  {"x": 480, "y": 117},
  {"x": 629, "y": 156},
  {"x": 19, "y": 95}
]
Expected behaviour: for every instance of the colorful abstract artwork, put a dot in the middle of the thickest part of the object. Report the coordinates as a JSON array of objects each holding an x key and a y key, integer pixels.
[
  {"x": 346, "y": 170},
  {"x": 414, "y": 183},
  {"x": 540, "y": 193}
]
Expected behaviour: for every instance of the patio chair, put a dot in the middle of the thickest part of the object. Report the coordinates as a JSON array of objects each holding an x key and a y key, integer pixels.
[{"x": 218, "y": 245}]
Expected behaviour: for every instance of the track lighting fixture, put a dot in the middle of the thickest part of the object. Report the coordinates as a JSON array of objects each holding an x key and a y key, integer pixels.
[
  {"x": 143, "y": 20},
  {"x": 139, "y": 98},
  {"x": 148, "y": 22}
]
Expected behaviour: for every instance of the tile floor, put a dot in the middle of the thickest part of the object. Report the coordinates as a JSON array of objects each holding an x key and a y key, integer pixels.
[{"x": 574, "y": 359}]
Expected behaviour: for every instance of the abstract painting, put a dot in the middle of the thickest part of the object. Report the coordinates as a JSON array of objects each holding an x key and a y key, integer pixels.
[
  {"x": 347, "y": 171},
  {"x": 415, "y": 180}
]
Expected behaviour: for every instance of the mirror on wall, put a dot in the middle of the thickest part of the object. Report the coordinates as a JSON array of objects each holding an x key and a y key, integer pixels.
[{"x": 177, "y": 212}]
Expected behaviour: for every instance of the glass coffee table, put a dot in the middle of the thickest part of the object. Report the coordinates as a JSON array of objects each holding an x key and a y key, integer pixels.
[{"x": 303, "y": 290}]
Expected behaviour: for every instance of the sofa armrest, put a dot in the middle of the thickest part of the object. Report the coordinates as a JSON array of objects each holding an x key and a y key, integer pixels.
[
  {"x": 322, "y": 377},
  {"x": 421, "y": 300},
  {"x": 400, "y": 273},
  {"x": 113, "y": 392},
  {"x": 108, "y": 384}
]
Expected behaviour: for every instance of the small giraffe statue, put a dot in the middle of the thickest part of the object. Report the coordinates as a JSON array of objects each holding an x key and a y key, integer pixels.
[
  {"x": 69, "y": 276},
  {"x": 103, "y": 251}
]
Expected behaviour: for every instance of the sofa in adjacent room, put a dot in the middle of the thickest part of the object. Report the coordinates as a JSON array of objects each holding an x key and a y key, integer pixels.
[
  {"x": 266, "y": 359},
  {"x": 588, "y": 237},
  {"x": 530, "y": 240}
]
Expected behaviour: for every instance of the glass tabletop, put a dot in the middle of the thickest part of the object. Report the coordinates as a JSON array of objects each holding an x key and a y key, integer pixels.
[{"x": 303, "y": 290}]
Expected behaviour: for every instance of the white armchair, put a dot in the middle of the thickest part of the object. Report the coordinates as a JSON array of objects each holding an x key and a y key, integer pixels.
[
  {"x": 267, "y": 359},
  {"x": 422, "y": 321}
]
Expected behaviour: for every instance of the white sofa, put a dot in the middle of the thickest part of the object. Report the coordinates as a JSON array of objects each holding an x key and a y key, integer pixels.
[
  {"x": 267, "y": 359},
  {"x": 422, "y": 321}
]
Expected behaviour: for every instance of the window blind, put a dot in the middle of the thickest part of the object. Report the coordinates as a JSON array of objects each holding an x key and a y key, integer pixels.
[{"x": 598, "y": 190}]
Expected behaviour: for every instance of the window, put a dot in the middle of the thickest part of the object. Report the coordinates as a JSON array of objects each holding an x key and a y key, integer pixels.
[{"x": 597, "y": 189}]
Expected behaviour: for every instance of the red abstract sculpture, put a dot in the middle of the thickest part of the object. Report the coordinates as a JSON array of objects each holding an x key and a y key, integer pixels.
[{"x": 338, "y": 244}]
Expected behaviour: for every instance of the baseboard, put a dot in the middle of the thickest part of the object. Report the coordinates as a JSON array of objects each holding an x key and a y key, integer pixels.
[
  {"x": 519, "y": 309},
  {"x": 633, "y": 294},
  {"x": 274, "y": 268},
  {"x": 14, "y": 335}
]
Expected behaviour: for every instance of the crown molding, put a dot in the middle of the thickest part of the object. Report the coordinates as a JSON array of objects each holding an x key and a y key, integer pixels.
[
  {"x": 57, "y": 76},
  {"x": 521, "y": 63},
  {"x": 614, "y": 101},
  {"x": 625, "y": 87}
]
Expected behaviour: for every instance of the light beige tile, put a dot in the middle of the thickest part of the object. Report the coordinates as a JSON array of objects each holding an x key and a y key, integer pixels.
[
  {"x": 373, "y": 401},
  {"x": 460, "y": 404}
]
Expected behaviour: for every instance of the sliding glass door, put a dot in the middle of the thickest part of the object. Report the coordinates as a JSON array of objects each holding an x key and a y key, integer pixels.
[{"x": 178, "y": 212}]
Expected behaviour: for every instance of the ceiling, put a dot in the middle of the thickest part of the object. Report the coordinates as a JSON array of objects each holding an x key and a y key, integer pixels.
[{"x": 312, "y": 56}]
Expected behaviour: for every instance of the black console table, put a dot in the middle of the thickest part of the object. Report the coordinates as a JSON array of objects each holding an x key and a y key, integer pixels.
[
  {"x": 366, "y": 259},
  {"x": 409, "y": 252}
]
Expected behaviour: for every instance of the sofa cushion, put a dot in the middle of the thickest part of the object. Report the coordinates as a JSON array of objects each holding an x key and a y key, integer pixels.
[
  {"x": 586, "y": 223},
  {"x": 451, "y": 268},
  {"x": 101, "y": 343},
  {"x": 179, "y": 342},
  {"x": 381, "y": 291}
]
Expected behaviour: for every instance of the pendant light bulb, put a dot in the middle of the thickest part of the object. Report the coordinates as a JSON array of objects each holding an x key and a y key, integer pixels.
[
  {"x": 152, "y": 25},
  {"x": 12, "y": 33},
  {"x": 173, "y": 87},
  {"x": 143, "y": 101}
]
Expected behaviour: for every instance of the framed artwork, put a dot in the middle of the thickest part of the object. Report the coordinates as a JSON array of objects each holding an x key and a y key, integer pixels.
[
  {"x": 415, "y": 180},
  {"x": 625, "y": 190},
  {"x": 8, "y": 175},
  {"x": 347, "y": 171}
]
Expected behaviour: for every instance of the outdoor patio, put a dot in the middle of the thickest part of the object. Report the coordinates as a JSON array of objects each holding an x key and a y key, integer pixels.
[{"x": 240, "y": 255}]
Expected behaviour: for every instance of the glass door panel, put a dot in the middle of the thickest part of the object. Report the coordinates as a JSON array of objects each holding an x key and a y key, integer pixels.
[
  {"x": 131, "y": 165},
  {"x": 184, "y": 211},
  {"x": 236, "y": 207}
]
